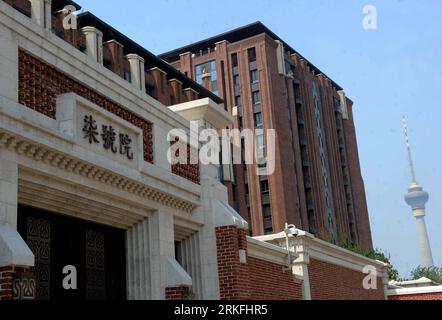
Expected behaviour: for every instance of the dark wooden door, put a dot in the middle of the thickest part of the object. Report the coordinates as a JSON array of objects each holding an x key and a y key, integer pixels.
[{"x": 97, "y": 252}]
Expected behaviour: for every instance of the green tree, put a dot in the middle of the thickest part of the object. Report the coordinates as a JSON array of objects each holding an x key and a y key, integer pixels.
[
  {"x": 378, "y": 254},
  {"x": 432, "y": 273}
]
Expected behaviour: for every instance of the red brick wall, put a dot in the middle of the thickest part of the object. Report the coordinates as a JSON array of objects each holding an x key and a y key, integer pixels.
[
  {"x": 7, "y": 275},
  {"x": 255, "y": 280},
  {"x": 422, "y": 296},
  {"x": 233, "y": 277},
  {"x": 269, "y": 282},
  {"x": 176, "y": 293},
  {"x": 332, "y": 282}
]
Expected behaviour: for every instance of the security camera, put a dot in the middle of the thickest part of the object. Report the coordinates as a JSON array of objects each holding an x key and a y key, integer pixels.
[{"x": 291, "y": 230}]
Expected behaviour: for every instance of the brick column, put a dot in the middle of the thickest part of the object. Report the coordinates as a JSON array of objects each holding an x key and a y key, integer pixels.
[
  {"x": 232, "y": 268},
  {"x": 161, "y": 87},
  {"x": 178, "y": 293},
  {"x": 116, "y": 51},
  {"x": 6, "y": 275},
  {"x": 190, "y": 94},
  {"x": 24, "y": 278},
  {"x": 176, "y": 87}
]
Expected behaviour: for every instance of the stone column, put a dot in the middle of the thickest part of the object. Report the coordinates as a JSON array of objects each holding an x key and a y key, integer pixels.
[
  {"x": 15, "y": 255},
  {"x": 48, "y": 14},
  {"x": 138, "y": 262},
  {"x": 300, "y": 267},
  {"x": 137, "y": 71},
  {"x": 41, "y": 13},
  {"x": 165, "y": 270},
  {"x": 8, "y": 193},
  {"x": 94, "y": 43}
]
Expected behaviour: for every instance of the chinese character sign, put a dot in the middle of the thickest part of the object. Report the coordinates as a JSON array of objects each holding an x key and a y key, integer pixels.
[{"x": 108, "y": 136}]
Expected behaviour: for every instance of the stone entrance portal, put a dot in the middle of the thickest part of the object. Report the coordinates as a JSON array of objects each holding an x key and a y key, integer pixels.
[{"x": 97, "y": 252}]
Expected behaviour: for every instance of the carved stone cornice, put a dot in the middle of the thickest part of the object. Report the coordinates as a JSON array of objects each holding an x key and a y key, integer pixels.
[{"x": 63, "y": 161}]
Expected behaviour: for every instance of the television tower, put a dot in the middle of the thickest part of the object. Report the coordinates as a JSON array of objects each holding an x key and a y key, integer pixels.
[{"x": 416, "y": 198}]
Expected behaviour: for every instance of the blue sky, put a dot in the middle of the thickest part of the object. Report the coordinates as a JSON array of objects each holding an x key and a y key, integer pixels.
[{"x": 393, "y": 71}]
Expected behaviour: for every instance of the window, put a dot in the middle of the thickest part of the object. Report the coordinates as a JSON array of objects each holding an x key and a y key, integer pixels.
[
  {"x": 236, "y": 82},
  {"x": 266, "y": 211},
  {"x": 178, "y": 252},
  {"x": 207, "y": 68},
  {"x": 127, "y": 76},
  {"x": 268, "y": 230},
  {"x": 214, "y": 77},
  {"x": 234, "y": 60},
  {"x": 260, "y": 146},
  {"x": 258, "y": 120},
  {"x": 254, "y": 76},
  {"x": 264, "y": 187},
  {"x": 240, "y": 123},
  {"x": 251, "y": 54},
  {"x": 256, "y": 97},
  {"x": 238, "y": 101}
]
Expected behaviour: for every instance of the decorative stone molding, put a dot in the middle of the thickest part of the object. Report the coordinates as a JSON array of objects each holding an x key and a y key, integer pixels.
[
  {"x": 55, "y": 158},
  {"x": 266, "y": 251},
  {"x": 205, "y": 111},
  {"x": 324, "y": 251}
]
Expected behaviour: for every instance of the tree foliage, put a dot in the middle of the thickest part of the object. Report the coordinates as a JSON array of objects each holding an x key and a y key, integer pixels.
[
  {"x": 432, "y": 273},
  {"x": 378, "y": 254}
]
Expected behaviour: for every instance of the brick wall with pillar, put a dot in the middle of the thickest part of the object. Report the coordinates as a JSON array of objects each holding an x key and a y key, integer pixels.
[{"x": 232, "y": 268}]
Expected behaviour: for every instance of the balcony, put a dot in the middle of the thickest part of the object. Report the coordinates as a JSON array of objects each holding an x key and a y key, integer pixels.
[
  {"x": 341, "y": 143},
  {"x": 265, "y": 198},
  {"x": 303, "y": 140},
  {"x": 307, "y": 183},
  {"x": 305, "y": 163},
  {"x": 301, "y": 121},
  {"x": 268, "y": 222},
  {"x": 339, "y": 125}
]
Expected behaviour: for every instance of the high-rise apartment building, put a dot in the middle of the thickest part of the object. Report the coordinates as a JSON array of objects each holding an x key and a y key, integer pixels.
[{"x": 265, "y": 83}]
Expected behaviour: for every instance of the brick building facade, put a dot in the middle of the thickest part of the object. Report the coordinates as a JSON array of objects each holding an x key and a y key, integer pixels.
[
  {"x": 85, "y": 182},
  {"x": 317, "y": 183}
]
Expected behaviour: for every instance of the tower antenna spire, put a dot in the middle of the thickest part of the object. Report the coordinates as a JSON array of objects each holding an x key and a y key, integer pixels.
[{"x": 410, "y": 158}]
